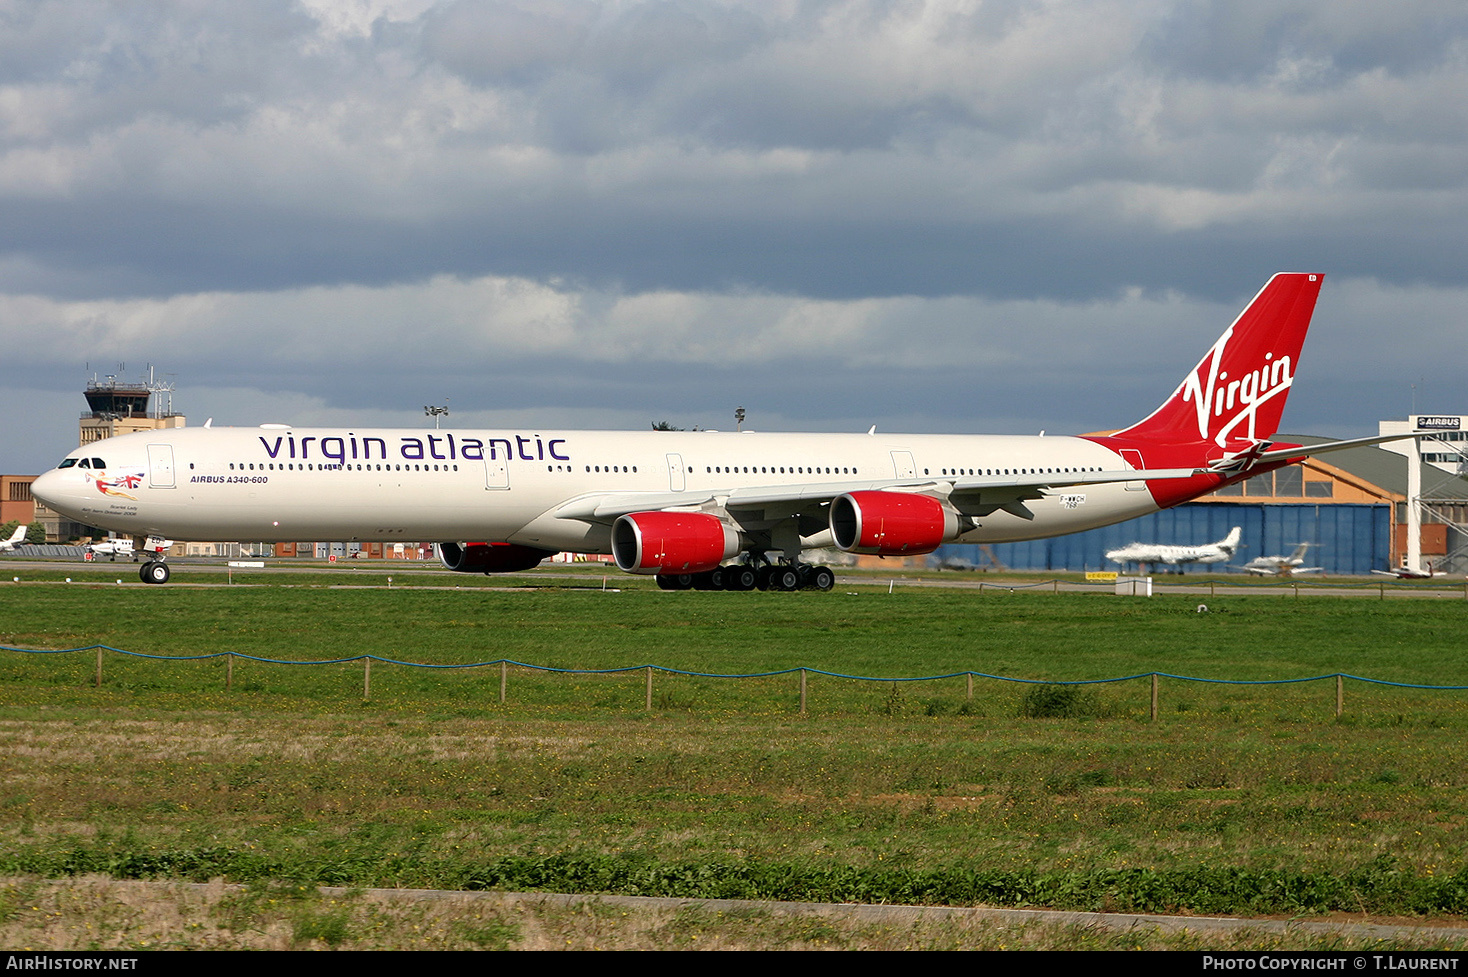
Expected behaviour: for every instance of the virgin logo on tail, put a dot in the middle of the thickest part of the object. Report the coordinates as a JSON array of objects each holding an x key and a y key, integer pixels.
[
  {"x": 1237, "y": 391},
  {"x": 1217, "y": 393}
]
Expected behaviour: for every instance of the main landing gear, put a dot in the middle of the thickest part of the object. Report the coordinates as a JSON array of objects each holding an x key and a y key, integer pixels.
[
  {"x": 742, "y": 576},
  {"x": 154, "y": 571}
]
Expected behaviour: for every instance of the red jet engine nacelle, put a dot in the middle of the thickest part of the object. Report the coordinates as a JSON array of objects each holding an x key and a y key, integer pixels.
[
  {"x": 490, "y": 557},
  {"x": 891, "y": 523},
  {"x": 671, "y": 542}
]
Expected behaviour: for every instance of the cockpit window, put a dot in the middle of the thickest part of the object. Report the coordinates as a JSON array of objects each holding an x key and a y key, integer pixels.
[
  {"x": 67, "y": 463},
  {"x": 85, "y": 463},
  {"x": 98, "y": 463}
]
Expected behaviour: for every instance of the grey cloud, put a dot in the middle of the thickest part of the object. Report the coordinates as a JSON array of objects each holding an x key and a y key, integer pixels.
[
  {"x": 513, "y": 349},
  {"x": 1312, "y": 43},
  {"x": 828, "y": 149},
  {"x": 208, "y": 64},
  {"x": 833, "y": 210},
  {"x": 507, "y": 42}
]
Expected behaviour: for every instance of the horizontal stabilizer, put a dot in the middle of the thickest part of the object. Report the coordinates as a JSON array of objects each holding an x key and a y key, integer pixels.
[{"x": 1305, "y": 451}]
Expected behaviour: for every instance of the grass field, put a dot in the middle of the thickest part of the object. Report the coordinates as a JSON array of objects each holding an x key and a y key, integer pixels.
[{"x": 1239, "y": 799}]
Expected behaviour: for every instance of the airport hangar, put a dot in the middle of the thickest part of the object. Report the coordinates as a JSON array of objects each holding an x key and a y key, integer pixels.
[{"x": 1351, "y": 505}]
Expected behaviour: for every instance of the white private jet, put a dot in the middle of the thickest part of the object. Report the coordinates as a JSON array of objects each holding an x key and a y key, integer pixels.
[
  {"x": 1411, "y": 573},
  {"x": 1148, "y": 555},
  {"x": 700, "y": 509},
  {"x": 16, "y": 538},
  {"x": 114, "y": 546},
  {"x": 1281, "y": 566}
]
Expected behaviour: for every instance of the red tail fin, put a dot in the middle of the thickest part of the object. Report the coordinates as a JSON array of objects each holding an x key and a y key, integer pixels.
[{"x": 1237, "y": 392}]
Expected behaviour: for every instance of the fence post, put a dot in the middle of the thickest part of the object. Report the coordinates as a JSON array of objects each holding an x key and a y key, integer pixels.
[
  {"x": 970, "y": 686},
  {"x": 649, "y": 688},
  {"x": 99, "y": 667},
  {"x": 802, "y": 692},
  {"x": 367, "y": 678},
  {"x": 229, "y": 671},
  {"x": 1340, "y": 694},
  {"x": 504, "y": 668},
  {"x": 1153, "y": 716}
]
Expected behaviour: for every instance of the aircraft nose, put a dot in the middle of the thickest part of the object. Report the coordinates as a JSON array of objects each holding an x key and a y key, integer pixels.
[
  {"x": 46, "y": 487},
  {"x": 56, "y": 491}
]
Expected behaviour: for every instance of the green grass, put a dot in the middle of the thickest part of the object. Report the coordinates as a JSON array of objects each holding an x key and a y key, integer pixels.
[
  {"x": 914, "y": 632},
  {"x": 1237, "y": 799}
]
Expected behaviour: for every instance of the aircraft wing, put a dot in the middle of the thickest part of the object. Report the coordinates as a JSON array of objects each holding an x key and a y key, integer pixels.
[
  {"x": 983, "y": 495},
  {"x": 975, "y": 495},
  {"x": 606, "y": 507}
]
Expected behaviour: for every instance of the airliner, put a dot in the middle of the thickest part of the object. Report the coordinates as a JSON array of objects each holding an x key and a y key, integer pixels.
[
  {"x": 1151, "y": 554},
  {"x": 703, "y": 509}
]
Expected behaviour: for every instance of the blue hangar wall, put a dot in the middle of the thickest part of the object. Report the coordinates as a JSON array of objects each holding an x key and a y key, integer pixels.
[{"x": 1349, "y": 538}]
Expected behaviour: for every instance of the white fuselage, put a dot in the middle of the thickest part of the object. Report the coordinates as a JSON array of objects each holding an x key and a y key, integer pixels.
[
  {"x": 274, "y": 483},
  {"x": 1171, "y": 555},
  {"x": 1153, "y": 553}
]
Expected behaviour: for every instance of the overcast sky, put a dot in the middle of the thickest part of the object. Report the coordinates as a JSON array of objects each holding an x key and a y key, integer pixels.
[{"x": 989, "y": 217}]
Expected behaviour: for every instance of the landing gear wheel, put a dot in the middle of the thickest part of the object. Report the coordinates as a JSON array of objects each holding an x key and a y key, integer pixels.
[
  {"x": 709, "y": 579},
  {"x": 740, "y": 577},
  {"x": 155, "y": 571},
  {"x": 821, "y": 578},
  {"x": 675, "y": 581},
  {"x": 784, "y": 578}
]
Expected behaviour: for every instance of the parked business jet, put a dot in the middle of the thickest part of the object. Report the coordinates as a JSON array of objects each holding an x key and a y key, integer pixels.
[
  {"x": 699, "y": 509},
  {"x": 1281, "y": 566},
  {"x": 1411, "y": 573},
  {"x": 1148, "y": 555},
  {"x": 114, "y": 546},
  {"x": 16, "y": 538}
]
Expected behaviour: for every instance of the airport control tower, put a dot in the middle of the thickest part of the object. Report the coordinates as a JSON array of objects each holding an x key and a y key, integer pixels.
[{"x": 118, "y": 407}]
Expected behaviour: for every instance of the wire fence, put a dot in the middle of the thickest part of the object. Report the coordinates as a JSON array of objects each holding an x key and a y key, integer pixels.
[
  {"x": 804, "y": 673},
  {"x": 1382, "y": 586}
]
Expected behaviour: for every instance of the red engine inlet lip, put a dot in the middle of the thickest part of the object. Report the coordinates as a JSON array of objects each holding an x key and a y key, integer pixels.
[
  {"x": 890, "y": 523},
  {"x": 671, "y": 542}
]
